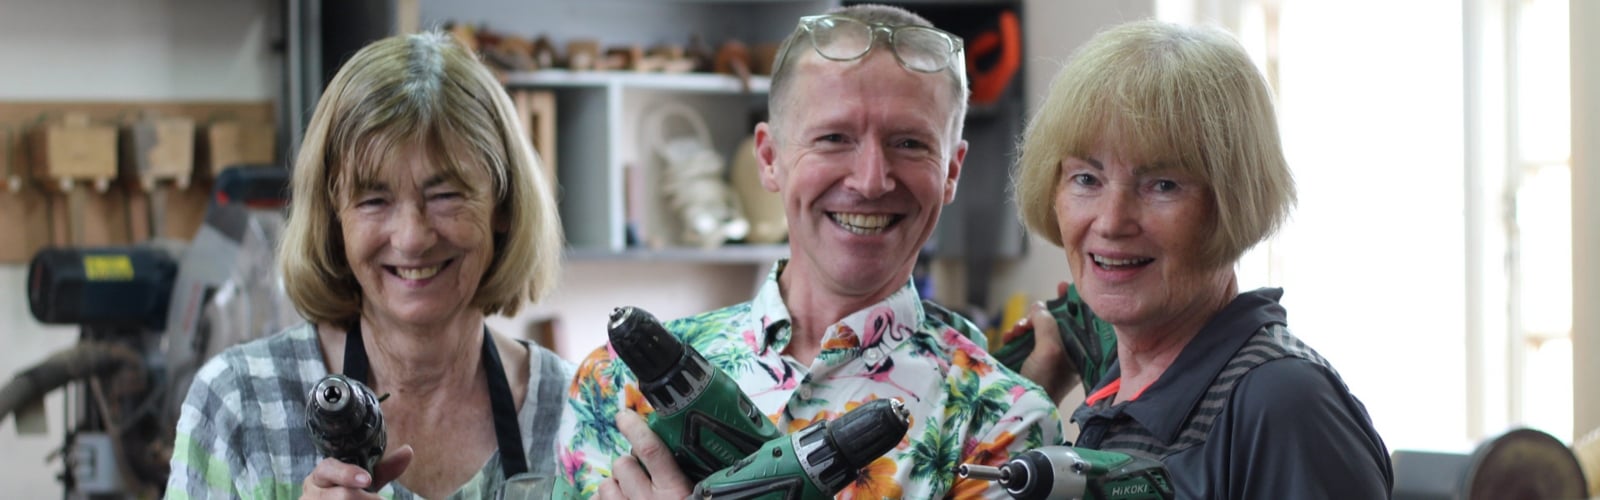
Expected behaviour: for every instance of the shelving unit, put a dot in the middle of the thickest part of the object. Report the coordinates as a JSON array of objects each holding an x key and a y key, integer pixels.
[
  {"x": 599, "y": 117},
  {"x": 682, "y": 82}
]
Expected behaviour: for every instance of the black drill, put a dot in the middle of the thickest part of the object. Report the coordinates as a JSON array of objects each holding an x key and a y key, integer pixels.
[
  {"x": 346, "y": 422},
  {"x": 700, "y": 413}
]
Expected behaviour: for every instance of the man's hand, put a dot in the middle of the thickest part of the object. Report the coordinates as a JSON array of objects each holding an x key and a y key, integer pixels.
[
  {"x": 335, "y": 479},
  {"x": 629, "y": 478},
  {"x": 1048, "y": 365}
]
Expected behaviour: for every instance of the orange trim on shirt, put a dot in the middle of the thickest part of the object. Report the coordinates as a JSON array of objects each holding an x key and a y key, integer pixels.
[{"x": 1111, "y": 389}]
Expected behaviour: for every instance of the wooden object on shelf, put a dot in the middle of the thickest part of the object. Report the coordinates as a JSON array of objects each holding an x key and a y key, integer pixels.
[
  {"x": 762, "y": 57},
  {"x": 465, "y": 35},
  {"x": 233, "y": 142},
  {"x": 8, "y": 180},
  {"x": 81, "y": 217},
  {"x": 537, "y": 110},
  {"x": 667, "y": 58},
  {"x": 11, "y": 173},
  {"x": 629, "y": 57},
  {"x": 733, "y": 58},
  {"x": 72, "y": 149},
  {"x": 61, "y": 210},
  {"x": 156, "y": 148},
  {"x": 544, "y": 53},
  {"x": 25, "y": 215},
  {"x": 174, "y": 214},
  {"x": 583, "y": 54},
  {"x": 508, "y": 52}
]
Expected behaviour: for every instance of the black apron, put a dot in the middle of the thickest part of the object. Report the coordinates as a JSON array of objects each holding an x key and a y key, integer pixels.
[{"x": 512, "y": 459}]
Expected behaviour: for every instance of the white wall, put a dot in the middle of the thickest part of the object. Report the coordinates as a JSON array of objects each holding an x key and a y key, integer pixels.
[
  {"x": 136, "y": 50},
  {"x": 88, "y": 50}
]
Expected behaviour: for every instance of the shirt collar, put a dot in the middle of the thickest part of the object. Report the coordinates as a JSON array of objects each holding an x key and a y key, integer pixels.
[
  {"x": 1165, "y": 405},
  {"x": 879, "y": 327}
]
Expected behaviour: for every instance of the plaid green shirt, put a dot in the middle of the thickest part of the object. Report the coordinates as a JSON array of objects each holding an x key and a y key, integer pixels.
[
  {"x": 242, "y": 431},
  {"x": 965, "y": 407}
]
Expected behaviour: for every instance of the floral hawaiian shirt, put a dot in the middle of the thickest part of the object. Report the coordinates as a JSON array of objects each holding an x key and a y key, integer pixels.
[{"x": 965, "y": 407}]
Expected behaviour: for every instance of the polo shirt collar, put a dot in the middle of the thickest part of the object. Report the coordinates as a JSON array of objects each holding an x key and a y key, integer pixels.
[{"x": 1184, "y": 383}]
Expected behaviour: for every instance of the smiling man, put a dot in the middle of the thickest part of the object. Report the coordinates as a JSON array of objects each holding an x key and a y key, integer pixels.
[{"x": 865, "y": 149}]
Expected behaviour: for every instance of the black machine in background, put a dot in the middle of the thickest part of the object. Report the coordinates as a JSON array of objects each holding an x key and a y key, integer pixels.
[{"x": 149, "y": 315}]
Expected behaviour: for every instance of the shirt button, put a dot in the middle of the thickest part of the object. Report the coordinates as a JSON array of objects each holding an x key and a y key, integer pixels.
[
  {"x": 805, "y": 392},
  {"x": 873, "y": 354}
]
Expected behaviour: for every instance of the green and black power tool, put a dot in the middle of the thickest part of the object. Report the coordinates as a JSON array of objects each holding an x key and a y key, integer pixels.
[
  {"x": 1090, "y": 343},
  {"x": 1063, "y": 472},
  {"x": 346, "y": 421},
  {"x": 700, "y": 413},
  {"x": 816, "y": 462}
]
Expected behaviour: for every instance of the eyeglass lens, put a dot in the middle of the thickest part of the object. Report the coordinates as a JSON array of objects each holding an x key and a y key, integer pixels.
[
  {"x": 919, "y": 48},
  {"x": 922, "y": 49}
]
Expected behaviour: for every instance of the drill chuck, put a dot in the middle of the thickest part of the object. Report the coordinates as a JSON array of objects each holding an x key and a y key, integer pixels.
[
  {"x": 639, "y": 339},
  {"x": 833, "y": 453},
  {"x": 346, "y": 421}
]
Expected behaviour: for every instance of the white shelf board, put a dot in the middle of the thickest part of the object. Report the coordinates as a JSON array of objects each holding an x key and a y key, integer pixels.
[
  {"x": 679, "y": 82},
  {"x": 726, "y": 254}
]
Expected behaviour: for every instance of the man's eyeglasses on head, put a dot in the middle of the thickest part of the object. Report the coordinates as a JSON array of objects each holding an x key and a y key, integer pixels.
[{"x": 917, "y": 48}]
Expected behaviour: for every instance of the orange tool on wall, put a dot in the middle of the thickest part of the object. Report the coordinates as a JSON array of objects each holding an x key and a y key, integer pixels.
[{"x": 1006, "y": 39}]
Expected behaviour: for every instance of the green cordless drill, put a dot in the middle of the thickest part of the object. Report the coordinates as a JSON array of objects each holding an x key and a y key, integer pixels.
[
  {"x": 814, "y": 463},
  {"x": 700, "y": 413},
  {"x": 1091, "y": 345},
  {"x": 1079, "y": 473}
]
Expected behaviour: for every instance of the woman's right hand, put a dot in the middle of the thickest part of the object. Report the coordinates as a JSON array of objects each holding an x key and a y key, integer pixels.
[{"x": 335, "y": 479}]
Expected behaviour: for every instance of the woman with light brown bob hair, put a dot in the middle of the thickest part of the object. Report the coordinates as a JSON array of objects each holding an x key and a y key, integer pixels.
[
  {"x": 1155, "y": 163},
  {"x": 418, "y": 208}
]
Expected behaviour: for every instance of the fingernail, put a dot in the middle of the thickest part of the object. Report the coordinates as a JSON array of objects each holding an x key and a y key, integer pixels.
[{"x": 362, "y": 479}]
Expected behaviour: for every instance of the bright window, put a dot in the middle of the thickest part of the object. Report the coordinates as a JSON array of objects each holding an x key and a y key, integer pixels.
[{"x": 1447, "y": 311}]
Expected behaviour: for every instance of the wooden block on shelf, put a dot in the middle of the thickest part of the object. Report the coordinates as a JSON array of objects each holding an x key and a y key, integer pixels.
[
  {"x": 625, "y": 58},
  {"x": 177, "y": 212},
  {"x": 186, "y": 211},
  {"x": 73, "y": 148},
  {"x": 9, "y": 179},
  {"x": 537, "y": 111},
  {"x": 583, "y": 54},
  {"x": 83, "y": 217},
  {"x": 158, "y": 148},
  {"x": 25, "y": 215},
  {"x": 230, "y": 143}
]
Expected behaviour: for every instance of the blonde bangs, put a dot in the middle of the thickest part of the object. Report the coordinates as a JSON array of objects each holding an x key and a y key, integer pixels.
[{"x": 451, "y": 143}]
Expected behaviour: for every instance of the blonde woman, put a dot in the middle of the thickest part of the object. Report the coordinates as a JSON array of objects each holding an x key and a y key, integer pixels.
[
  {"x": 418, "y": 208},
  {"x": 1155, "y": 163}
]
